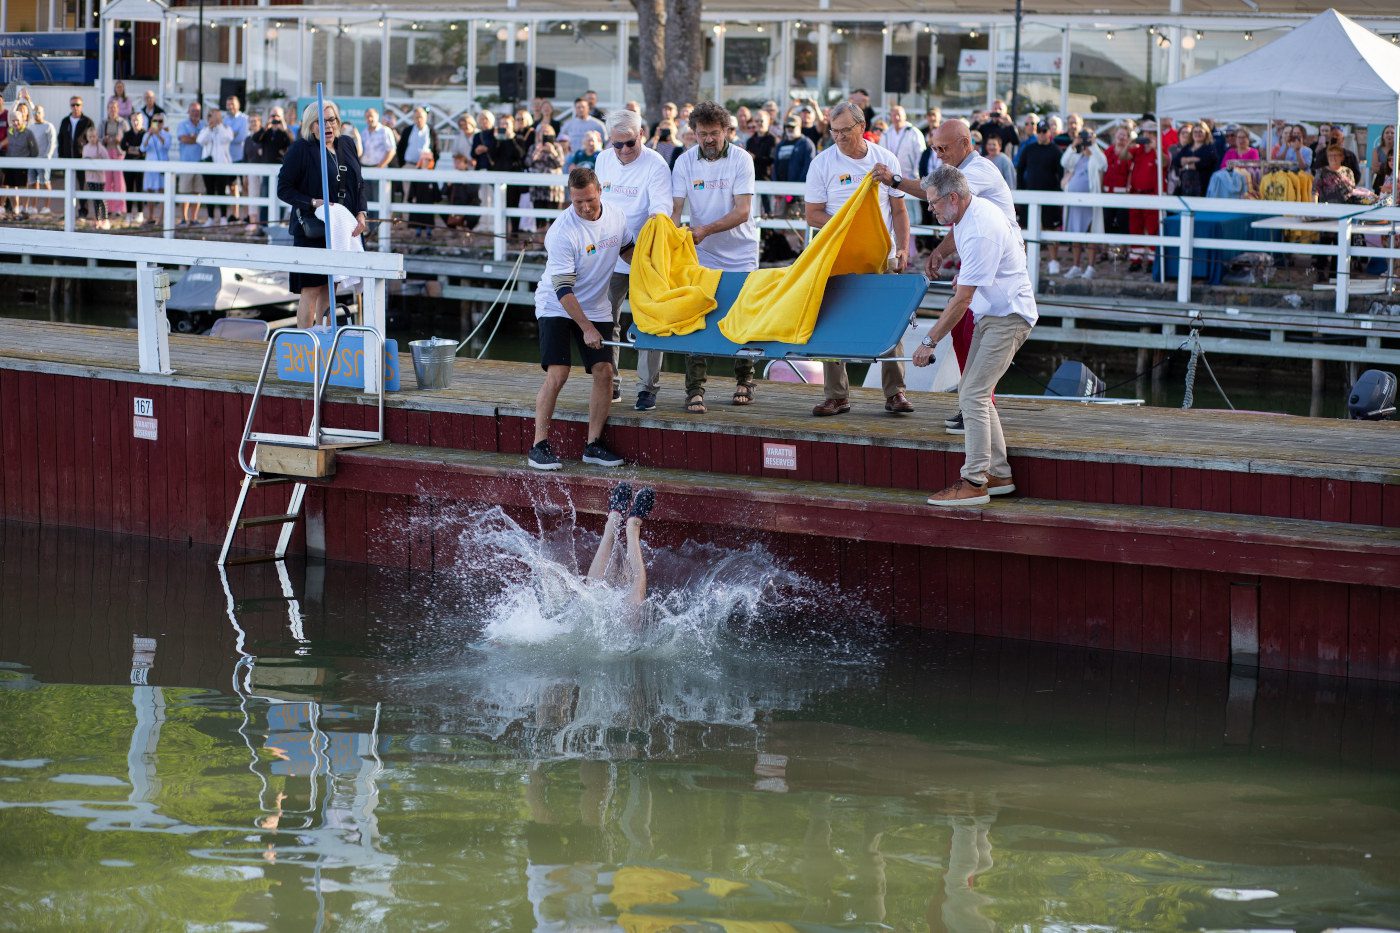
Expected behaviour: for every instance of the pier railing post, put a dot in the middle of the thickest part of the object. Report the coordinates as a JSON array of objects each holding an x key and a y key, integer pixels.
[
  {"x": 1033, "y": 245},
  {"x": 167, "y": 199},
  {"x": 386, "y": 216},
  {"x": 70, "y": 203},
  {"x": 498, "y": 205},
  {"x": 373, "y": 293},
  {"x": 1185, "y": 256},
  {"x": 1343, "y": 264},
  {"x": 152, "y": 329}
]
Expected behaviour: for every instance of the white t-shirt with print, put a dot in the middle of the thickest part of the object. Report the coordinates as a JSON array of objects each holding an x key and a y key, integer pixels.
[
  {"x": 587, "y": 250},
  {"x": 710, "y": 188},
  {"x": 833, "y": 177},
  {"x": 994, "y": 261},
  {"x": 639, "y": 189}
]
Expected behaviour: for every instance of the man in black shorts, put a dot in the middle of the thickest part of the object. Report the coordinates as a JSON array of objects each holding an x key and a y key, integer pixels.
[{"x": 571, "y": 306}]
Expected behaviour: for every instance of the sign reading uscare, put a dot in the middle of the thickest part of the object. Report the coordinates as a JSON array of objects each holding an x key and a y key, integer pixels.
[{"x": 295, "y": 362}]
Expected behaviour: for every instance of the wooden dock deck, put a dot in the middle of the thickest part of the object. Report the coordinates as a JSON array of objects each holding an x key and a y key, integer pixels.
[{"x": 1188, "y": 534}]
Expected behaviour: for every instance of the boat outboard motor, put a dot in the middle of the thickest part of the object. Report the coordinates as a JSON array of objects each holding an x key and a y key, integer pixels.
[
  {"x": 1074, "y": 380},
  {"x": 1373, "y": 396}
]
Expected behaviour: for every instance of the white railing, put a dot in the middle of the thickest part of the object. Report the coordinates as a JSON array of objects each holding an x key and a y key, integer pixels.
[
  {"x": 389, "y": 203},
  {"x": 148, "y": 254}
]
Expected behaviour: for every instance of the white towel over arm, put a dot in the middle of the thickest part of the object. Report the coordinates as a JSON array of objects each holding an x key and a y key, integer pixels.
[{"x": 338, "y": 230}]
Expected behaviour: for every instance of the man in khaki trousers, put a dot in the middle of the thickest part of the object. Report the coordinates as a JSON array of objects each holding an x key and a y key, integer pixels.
[{"x": 994, "y": 285}]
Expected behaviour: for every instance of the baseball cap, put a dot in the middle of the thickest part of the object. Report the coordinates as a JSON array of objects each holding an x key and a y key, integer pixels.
[
  {"x": 1043, "y": 126},
  {"x": 793, "y": 121}
]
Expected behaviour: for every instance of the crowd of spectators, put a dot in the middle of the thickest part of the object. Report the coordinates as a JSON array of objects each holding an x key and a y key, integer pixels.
[{"x": 1197, "y": 158}]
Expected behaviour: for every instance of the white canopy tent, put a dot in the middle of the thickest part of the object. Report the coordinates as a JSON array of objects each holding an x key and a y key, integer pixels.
[{"x": 1329, "y": 69}]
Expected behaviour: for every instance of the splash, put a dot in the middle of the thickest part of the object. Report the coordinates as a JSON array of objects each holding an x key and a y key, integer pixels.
[
  {"x": 702, "y": 599},
  {"x": 561, "y": 666}
]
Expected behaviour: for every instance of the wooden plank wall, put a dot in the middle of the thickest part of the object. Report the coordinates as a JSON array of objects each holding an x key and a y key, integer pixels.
[{"x": 70, "y": 458}]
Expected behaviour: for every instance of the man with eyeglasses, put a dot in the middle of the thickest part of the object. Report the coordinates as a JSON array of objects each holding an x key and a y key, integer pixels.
[
  {"x": 952, "y": 145},
  {"x": 716, "y": 178},
  {"x": 636, "y": 181},
  {"x": 833, "y": 177}
]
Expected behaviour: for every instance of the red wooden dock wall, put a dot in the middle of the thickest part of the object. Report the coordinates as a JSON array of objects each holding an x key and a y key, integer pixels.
[{"x": 68, "y": 457}]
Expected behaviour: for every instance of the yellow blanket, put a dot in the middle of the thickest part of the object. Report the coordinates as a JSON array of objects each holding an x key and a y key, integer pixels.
[
  {"x": 782, "y": 304},
  {"x": 670, "y": 292}
]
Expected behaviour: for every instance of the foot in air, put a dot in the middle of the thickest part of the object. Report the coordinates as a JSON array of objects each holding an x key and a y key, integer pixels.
[
  {"x": 620, "y": 499},
  {"x": 643, "y": 502}
]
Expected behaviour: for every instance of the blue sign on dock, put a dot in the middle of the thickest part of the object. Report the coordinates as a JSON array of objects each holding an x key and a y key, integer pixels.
[{"x": 295, "y": 361}]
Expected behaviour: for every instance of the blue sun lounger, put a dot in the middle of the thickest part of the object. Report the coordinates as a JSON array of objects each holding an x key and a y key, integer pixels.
[{"x": 861, "y": 317}]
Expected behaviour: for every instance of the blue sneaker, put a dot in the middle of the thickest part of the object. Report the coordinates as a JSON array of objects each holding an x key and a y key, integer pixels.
[
  {"x": 620, "y": 499},
  {"x": 642, "y": 502},
  {"x": 542, "y": 457},
  {"x": 646, "y": 401}
]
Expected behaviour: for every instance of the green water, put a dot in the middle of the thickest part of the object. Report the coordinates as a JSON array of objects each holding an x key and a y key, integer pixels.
[{"x": 348, "y": 760}]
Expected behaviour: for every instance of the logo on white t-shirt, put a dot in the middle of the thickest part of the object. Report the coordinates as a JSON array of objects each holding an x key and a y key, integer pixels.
[
  {"x": 844, "y": 179},
  {"x": 590, "y": 249}
]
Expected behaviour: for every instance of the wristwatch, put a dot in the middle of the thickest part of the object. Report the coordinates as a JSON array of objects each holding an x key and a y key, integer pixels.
[
  {"x": 928, "y": 342},
  {"x": 896, "y": 181}
]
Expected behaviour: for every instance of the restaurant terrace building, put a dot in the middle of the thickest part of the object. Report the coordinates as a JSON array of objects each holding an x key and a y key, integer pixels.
[{"x": 1104, "y": 57}]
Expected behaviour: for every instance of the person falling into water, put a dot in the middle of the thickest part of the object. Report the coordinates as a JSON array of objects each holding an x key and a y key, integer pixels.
[{"x": 625, "y": 507}]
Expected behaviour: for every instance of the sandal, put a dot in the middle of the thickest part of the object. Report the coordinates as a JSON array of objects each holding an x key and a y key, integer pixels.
[
  {"x": 695, "y": 405},
  {"x": 743, "y": 393}
]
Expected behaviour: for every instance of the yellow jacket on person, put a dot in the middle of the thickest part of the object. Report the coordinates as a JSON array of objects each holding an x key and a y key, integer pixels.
[{"x": 671, "y": 292}]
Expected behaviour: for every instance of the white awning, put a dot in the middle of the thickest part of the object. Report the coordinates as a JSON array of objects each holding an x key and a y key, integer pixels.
[
  {"x": 140, "y": 11},
  {"x": 1328, "y": 69}
]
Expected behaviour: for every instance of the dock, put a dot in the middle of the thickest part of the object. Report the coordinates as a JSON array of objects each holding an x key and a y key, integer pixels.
[{"x": 1233, "y": 537}]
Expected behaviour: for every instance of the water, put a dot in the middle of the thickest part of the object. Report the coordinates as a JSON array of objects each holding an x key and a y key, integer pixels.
[{"x": 499, "y": 748}]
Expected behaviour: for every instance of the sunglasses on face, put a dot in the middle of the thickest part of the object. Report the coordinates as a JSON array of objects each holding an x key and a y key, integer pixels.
[{"x": 627, "y": 145}]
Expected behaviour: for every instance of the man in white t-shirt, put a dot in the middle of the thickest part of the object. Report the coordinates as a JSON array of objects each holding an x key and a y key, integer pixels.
[
  {"x": 952, "y": 144},
  {"x": 993, "y": 283},
  {"x": 584, "y": 245},
  {"x": 832, "y": 178},
  {"x": 716, "y": 178},
  {"x": 580, "y": 125},
  {"x": 637, "y": 181}
]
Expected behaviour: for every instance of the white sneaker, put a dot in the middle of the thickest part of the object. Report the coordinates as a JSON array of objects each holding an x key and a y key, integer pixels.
[
  {"x": 1054, "y": 268},
  {"x": 140, "y": 217},
  {"x": 1073, "y": 272},
  {"x": 47, "y": 210},
  {"x": 208, "y": 222},
  {"x": 1088, "y": 272},
  {"x": 223, "y": 221}
]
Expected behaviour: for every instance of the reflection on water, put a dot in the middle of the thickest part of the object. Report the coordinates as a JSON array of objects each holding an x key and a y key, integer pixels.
[{"x": 342, "y": 747}]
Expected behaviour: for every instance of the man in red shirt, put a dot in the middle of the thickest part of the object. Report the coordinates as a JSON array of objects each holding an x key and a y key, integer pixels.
[{"x": 1145, "y": 177}]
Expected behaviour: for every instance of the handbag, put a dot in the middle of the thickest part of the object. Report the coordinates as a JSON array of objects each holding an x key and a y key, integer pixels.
[{"x": 312, "y": 227}]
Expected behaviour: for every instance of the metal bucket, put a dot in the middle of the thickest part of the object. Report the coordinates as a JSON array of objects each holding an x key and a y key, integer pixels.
[{"x": 432, "y": 361}]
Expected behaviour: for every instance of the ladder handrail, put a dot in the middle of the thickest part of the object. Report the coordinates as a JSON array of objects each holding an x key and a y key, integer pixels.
[
  {"x": 326, "y": 378},
  {"x": 315, "y": 432}
]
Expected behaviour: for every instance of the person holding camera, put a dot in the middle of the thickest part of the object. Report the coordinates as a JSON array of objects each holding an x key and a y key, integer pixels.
[{"x": 1084, "y": 165}]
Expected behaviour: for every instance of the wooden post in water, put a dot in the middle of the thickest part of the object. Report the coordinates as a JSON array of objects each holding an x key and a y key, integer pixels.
[{"x": 1318, "y": 381}]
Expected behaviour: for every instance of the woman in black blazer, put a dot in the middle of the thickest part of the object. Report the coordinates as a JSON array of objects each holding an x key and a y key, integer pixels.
[{"x": 299, "y": 185}]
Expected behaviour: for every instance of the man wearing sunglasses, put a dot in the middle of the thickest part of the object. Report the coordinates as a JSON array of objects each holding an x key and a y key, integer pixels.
[
  {"x": 637, "y": 181},
  {"x": 70, "y": 140}
]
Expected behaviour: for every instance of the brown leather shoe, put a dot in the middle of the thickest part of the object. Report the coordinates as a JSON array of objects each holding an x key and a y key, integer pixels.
[
  {"x": 897, "y": 404},
  {"x": 832, "y": 406},
  {"x": 1000, "y": 485},
  {"x": 960, "y": 493}
]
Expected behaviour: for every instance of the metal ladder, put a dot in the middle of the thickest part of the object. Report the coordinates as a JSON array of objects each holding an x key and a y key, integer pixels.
[{"x": 317, "y": 437}]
